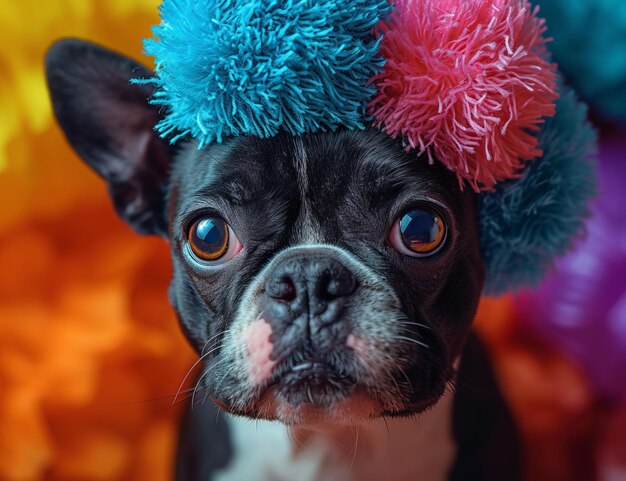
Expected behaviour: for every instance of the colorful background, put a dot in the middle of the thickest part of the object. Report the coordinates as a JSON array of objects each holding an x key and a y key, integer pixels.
[{"x": 91, "y": 356}]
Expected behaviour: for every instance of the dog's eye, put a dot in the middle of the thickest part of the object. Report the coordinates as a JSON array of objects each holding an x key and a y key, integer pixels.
[
  {"x": 212, "y": 239},
  {"x": 419, "y": 232}
]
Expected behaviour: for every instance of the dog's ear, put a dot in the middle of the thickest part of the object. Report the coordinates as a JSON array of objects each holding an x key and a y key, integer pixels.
[{"x": 110, "y": 123}]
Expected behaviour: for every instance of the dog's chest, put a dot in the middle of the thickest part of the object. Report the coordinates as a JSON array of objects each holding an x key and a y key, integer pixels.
[{"x": 398, "y": 450}]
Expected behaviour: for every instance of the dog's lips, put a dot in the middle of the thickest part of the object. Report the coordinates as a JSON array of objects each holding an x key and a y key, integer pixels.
[
  {"x": 314, "y": 383},
  {"x": 319, "y": 398}
]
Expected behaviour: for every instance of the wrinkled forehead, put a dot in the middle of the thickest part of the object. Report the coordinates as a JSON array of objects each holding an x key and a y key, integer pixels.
[{"x": 319, "y": 176}]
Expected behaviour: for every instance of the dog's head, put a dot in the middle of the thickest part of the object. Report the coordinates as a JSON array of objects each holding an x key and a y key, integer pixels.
[{"x": 326, "y": 277}]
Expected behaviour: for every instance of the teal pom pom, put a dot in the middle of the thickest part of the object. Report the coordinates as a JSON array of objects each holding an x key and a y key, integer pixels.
[
  {"x": 590, "y": 47},
  {"x": 228, "y": 68},
  {"x": 527, "y": 222}
]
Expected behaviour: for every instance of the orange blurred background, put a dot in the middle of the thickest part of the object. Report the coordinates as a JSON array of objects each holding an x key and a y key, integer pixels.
[{"x": 90, "y": 352}]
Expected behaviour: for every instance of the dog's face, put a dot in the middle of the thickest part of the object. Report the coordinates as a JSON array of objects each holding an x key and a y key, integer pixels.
[{"x": 330, "y": 277}]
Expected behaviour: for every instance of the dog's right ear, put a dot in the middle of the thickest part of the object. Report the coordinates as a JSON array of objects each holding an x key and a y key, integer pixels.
[{"x": 110, "y": 123}]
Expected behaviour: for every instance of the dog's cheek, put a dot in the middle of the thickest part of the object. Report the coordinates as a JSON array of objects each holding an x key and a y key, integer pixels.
[
  {"x": 454, "y": 311},
  {"x": 259, "y": 347},
  {"x": 197, "y": 321}
]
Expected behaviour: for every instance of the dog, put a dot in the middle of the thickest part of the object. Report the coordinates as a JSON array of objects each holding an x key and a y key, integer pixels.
[{"x": 328, "y": 281}]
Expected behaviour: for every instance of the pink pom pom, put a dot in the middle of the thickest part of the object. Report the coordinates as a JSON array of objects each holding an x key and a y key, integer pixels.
[{"x": 468, "y": 82}]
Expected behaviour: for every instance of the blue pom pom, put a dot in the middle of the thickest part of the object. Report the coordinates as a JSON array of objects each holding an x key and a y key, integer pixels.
[
  {"x": 526, "y": 223},
  {"x": 589, "y": 46},
  {"x": 228, "y": 68}
]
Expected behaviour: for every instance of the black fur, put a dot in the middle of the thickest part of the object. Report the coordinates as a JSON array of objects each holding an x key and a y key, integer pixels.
[
  {"x": 360, "y": 182},
  {"x": 489, "y": 445}
]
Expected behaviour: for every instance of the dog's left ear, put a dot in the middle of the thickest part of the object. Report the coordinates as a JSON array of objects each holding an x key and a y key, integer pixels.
[{"x": 110, "y": 124}]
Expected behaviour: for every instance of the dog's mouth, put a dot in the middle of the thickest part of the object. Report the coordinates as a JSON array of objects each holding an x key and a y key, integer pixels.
[
  {"x": 314, "y": 390},
  {"x": 318, "y": 392},
  {"x": 315, "y": 382},
  {"x": 346, "y": 383}
]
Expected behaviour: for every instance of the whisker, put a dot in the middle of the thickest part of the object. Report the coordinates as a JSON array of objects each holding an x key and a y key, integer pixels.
[
  {"x": 387, "y": 426},
  {"x": 224, "y": 376},
  {"x": 414, "y": 341},
  {"x": 211, "y": 339},
  {"x": 416, "y": 324},
  {"x": 384, "y": 392},
  {"x": 159, "y": 398},
  {"x": 205, "y": 373},
  {"x": 195, "y": 364},
  {"x": 356, "y": 447},
  {"x": 293, "y": 439},
  {"x": 182, "y": 400}
]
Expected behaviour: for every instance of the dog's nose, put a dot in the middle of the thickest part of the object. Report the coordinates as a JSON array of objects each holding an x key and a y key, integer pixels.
[
  {"x": 313, "y": 287},
  {"x": 321, "y": 279}
]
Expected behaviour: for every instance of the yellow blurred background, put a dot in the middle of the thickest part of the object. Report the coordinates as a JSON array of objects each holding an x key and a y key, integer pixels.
[{"x": 90, "y": 352}]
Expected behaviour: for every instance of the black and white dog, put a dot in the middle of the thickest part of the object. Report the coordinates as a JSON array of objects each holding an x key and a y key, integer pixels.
[{"x": 303, "y": 278}]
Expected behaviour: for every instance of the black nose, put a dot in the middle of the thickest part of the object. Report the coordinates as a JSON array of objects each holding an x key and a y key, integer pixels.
[
  {"x": 320, "y": 279},
  {"x": 308, "y": 290}
]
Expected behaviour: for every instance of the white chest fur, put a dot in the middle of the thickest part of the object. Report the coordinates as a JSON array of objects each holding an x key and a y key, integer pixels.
[{"x": 420, "y": 449}]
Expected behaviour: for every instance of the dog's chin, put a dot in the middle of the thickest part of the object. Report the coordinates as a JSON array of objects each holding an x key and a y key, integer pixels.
[{"x": 354, "y": 409}]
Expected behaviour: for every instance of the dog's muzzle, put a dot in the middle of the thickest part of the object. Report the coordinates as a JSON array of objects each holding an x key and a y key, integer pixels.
[{"x": 303, "y": 300}]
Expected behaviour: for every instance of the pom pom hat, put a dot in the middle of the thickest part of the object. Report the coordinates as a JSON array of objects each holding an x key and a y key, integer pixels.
[
  {"x": 464, "y": 82},
  {"x": 525, "y": 223},
  {"x": 227, "y": 67}
]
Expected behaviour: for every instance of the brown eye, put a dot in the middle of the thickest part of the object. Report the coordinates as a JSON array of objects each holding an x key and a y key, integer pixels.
[
  {"x": 210, "y": 239},
  {"x": 418, "y": 233}
]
